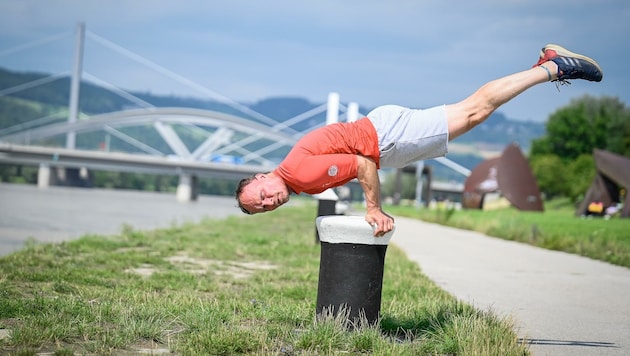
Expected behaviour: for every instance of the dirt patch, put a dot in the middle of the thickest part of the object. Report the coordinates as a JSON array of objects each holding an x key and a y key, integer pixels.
[
  {"x": 133, "y": 249},
  {"x": 155, "y": 351},
  {"x": 144, "y": 270},
  {"x": 5, "y": 334},
  {"x": 234, "y": 269}
]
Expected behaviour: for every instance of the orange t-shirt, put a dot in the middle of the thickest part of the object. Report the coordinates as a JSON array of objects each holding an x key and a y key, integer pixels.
[{"x": 326, "y": 157}]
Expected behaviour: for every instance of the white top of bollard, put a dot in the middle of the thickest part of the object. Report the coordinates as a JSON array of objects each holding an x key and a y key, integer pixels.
[{"x": 338, "y": 229}]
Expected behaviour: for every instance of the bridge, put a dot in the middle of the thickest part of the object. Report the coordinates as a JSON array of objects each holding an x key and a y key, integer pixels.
[
  {"x": 198, "y": 142},
  {"x": 229, "y": 146},
  {"x": 224, "y": 149}
]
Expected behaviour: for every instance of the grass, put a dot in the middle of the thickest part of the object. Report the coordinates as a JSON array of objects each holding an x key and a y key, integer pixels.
[
  {"x": 557, "y": 228},
  {"x": 244, "y": 285}
]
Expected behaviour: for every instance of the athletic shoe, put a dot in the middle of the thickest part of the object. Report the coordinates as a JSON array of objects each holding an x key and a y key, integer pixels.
[{"x": 570, "y": 65}]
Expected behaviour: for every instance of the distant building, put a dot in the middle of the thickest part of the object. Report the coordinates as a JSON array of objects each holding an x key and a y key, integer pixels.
[
  {"x": 610, "y": 186},
  {"x": 510, "y": 176}
]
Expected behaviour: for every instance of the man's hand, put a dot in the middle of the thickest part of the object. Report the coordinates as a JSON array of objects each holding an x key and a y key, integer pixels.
[{"x": 382, "y": 222}]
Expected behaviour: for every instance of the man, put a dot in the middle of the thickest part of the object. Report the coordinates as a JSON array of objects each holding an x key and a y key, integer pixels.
[{"x": 393, "y": 136}]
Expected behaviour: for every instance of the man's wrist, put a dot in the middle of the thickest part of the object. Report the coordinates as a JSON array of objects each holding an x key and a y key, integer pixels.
[{"x": 373, "y": 208}]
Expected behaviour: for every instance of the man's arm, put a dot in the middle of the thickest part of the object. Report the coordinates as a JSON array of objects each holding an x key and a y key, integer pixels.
[{"x": 368, "y": 178}]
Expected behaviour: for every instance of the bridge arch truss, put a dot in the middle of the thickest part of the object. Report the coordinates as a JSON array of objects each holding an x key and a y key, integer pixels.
[{"x": 186, "y": 134}]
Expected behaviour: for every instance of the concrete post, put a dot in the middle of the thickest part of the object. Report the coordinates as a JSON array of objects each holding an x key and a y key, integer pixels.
[
  {"x": 332, "y": 109},
  {"x": 351, "y": 269},
  {"x": 187, "y": 189},
  {"x": 352, "y": 114},
  {"x": 43, "y": 176}
]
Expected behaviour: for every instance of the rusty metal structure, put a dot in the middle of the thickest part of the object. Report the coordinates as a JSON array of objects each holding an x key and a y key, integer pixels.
[
  {"x": 509, "y": 175},
  {"x": 612, "y": 177}
]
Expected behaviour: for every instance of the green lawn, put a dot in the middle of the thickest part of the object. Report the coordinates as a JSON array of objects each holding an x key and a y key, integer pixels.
[
  {"x": 557, "y": 228},
  {"x": 245, "y": 285}
]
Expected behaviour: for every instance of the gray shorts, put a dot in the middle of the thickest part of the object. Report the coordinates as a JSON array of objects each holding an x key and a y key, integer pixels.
[{"x": 409, "y": 135}]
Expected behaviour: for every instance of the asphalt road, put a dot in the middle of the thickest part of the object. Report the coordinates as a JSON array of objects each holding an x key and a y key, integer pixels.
[{"x": 61, "y": 213}]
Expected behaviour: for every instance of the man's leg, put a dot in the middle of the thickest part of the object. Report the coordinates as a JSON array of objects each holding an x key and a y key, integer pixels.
[{"x": 555, "y": 64}]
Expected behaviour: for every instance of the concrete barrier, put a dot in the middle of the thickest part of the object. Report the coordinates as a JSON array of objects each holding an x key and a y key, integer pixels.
[{"x": 351, "y": 269}]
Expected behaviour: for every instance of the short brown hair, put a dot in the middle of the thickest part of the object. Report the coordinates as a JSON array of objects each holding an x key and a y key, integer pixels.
[{"x": 239, "y": 189}]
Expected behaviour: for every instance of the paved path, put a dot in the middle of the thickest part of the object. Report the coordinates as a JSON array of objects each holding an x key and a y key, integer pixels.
[{"x": 564, "y": 304}]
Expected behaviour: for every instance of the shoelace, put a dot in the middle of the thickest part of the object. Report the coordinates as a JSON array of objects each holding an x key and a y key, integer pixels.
[{"x": 560, "y": 82}]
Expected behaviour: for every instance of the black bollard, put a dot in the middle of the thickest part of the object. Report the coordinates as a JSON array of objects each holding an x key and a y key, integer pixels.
[{"x": 350, "y": 270}]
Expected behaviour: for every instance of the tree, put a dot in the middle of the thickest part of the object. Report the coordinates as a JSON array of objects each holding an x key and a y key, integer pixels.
[
  {"x": 582, "y": 172},
  {"x": 585, "y": 124},
  {"x": 545, "y": 168},
  {"x": 562, "y": 160}
]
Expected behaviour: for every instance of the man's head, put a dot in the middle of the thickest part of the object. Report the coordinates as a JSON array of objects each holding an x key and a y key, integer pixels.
[{"x": 261, "y": 192}]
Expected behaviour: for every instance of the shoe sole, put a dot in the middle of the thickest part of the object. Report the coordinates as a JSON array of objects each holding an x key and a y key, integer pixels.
[{"x": 563, "y": 52}]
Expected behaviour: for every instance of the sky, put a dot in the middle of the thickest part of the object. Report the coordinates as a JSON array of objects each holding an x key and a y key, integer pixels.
[{"x": 415, "y": 53}]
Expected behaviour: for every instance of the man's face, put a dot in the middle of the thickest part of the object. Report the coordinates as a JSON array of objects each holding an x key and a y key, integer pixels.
[{"x": 264, "y": 193}]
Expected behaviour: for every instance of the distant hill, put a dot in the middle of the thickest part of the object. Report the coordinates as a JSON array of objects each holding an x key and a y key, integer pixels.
[{"x": 22, "y": 102}]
